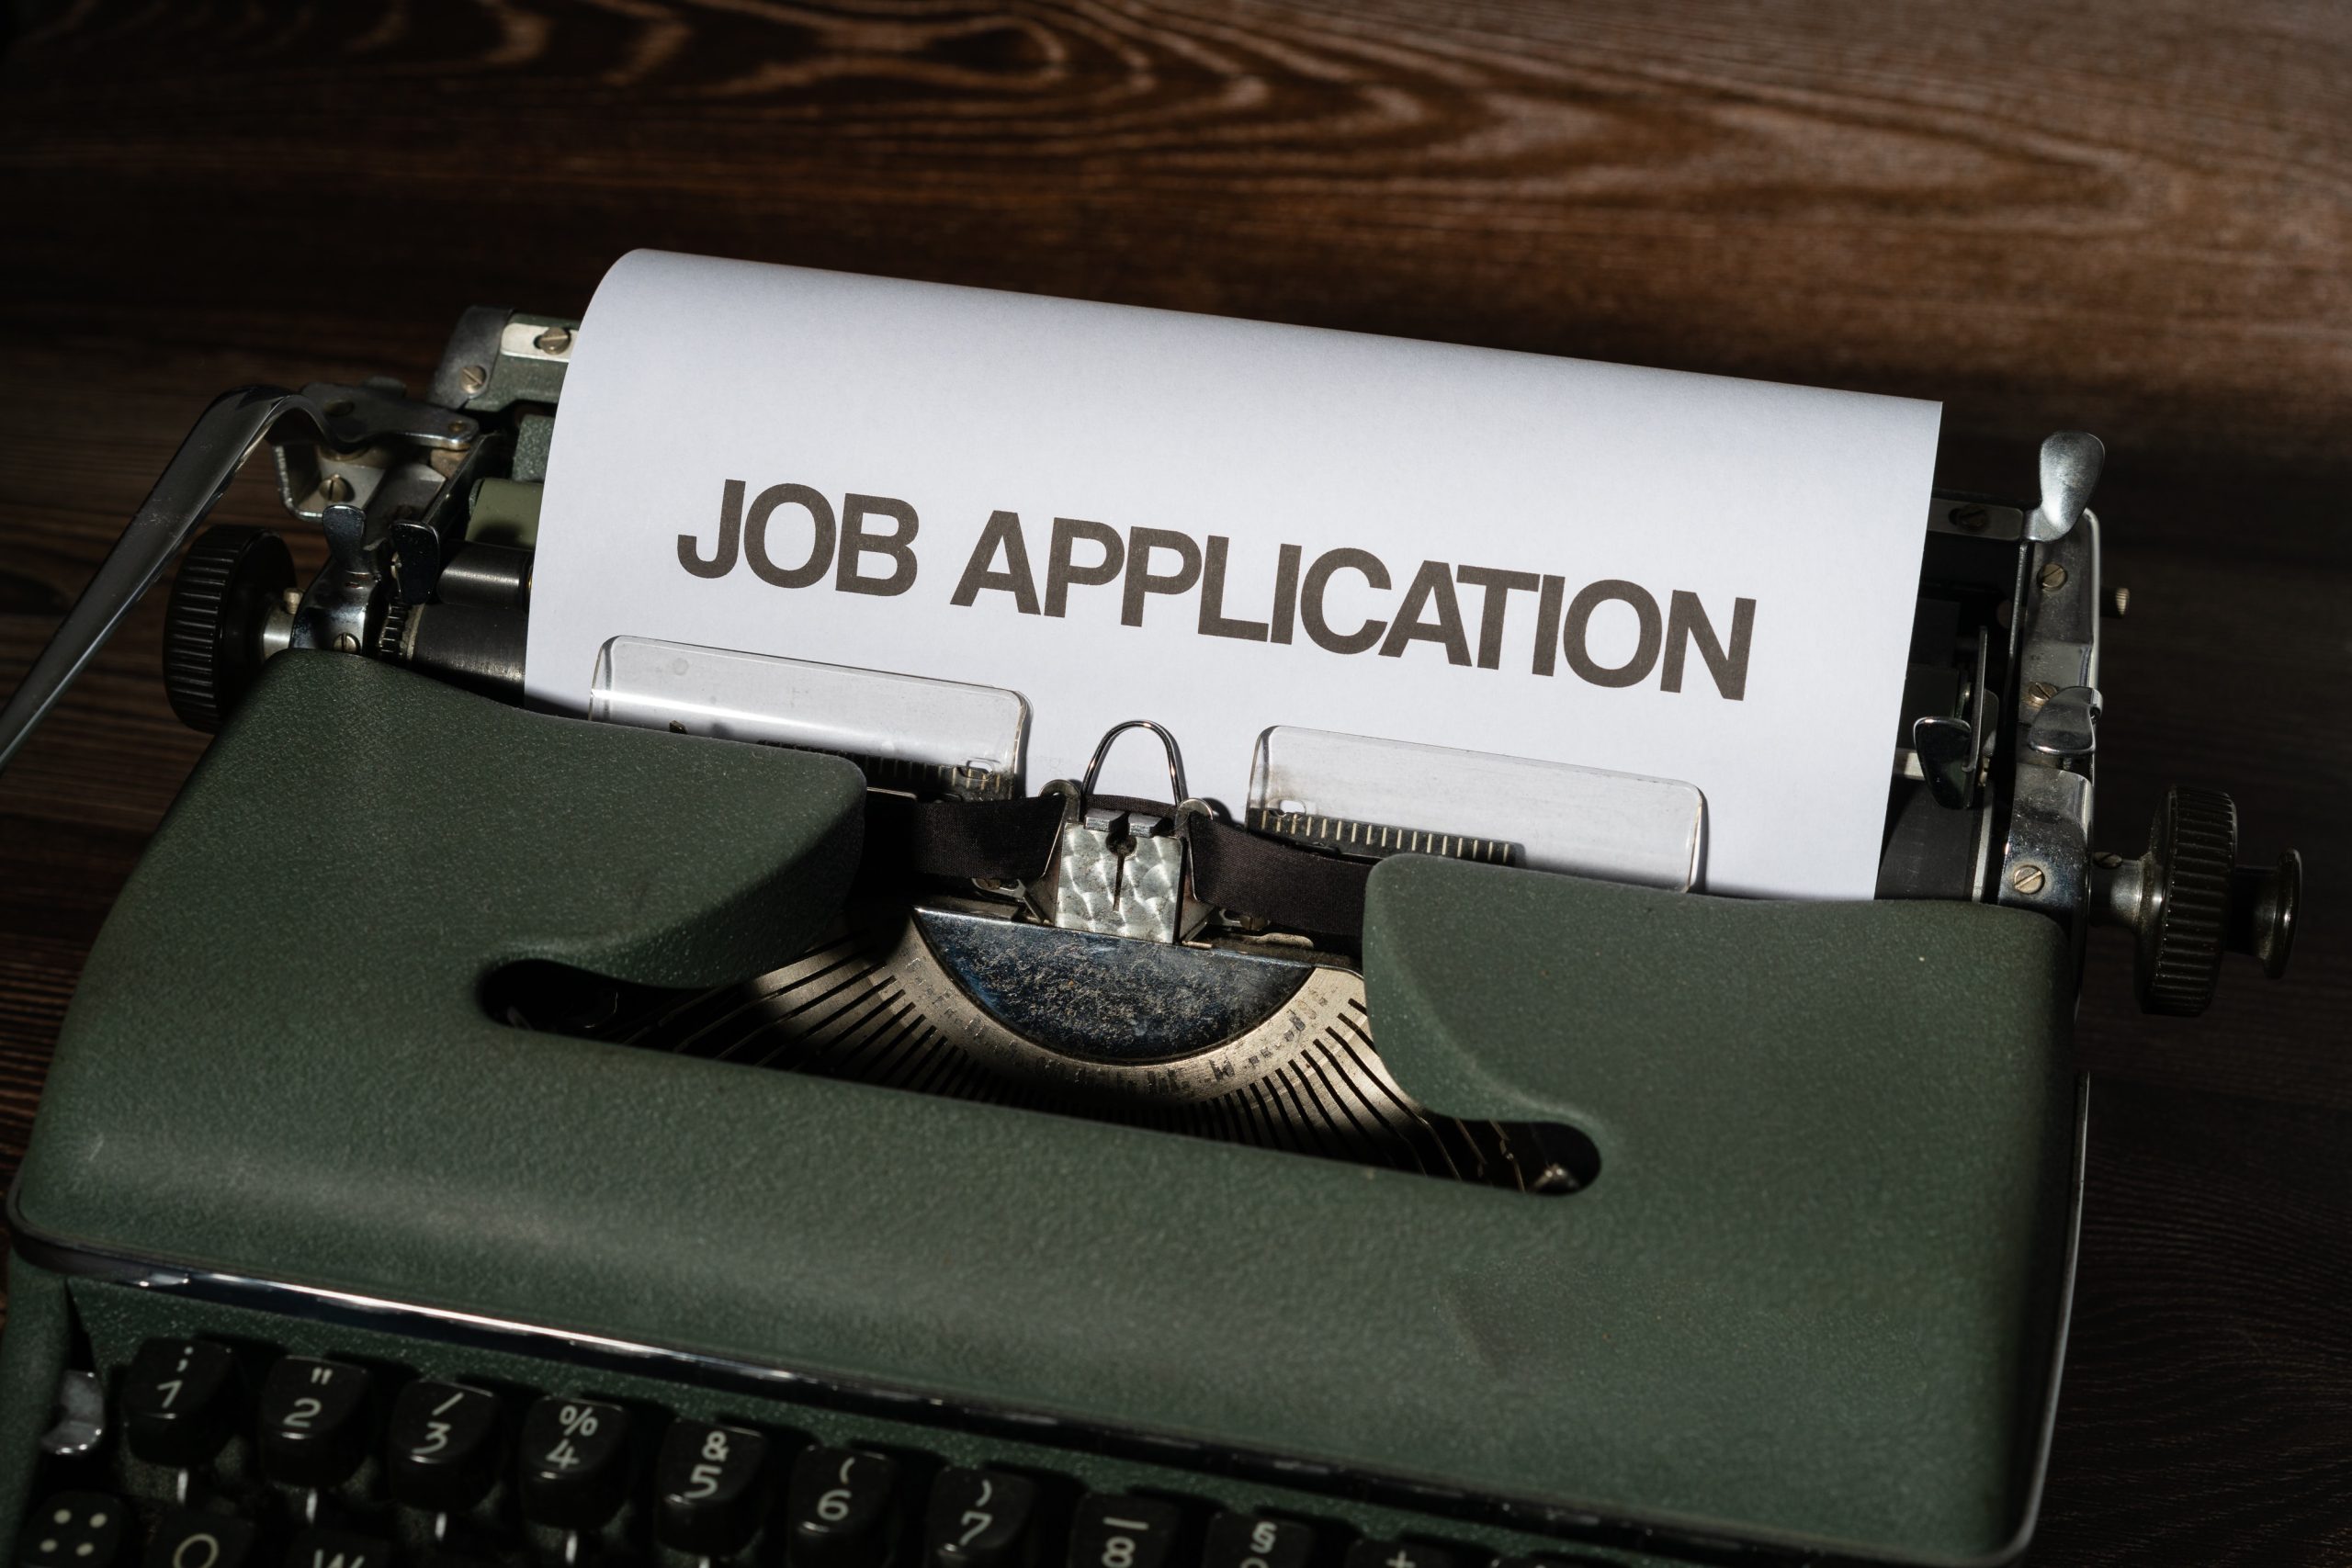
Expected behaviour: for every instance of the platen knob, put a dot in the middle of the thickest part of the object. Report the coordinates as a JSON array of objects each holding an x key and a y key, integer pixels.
[
  {"x": 228, "y": 581},
  {"x": 2187, "y": 901},
  {"x": 2185, "y": 897}
]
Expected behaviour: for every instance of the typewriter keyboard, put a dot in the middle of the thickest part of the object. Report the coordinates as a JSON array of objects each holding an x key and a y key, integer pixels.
[{"x": 366, "y": 1449}]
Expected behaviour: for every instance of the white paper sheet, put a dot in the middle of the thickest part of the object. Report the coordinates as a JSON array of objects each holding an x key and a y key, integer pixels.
[{"x": 938, "y": 424}]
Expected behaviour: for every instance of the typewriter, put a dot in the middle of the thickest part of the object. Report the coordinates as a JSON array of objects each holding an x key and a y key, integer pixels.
[{"x": 489, "y": 1137}]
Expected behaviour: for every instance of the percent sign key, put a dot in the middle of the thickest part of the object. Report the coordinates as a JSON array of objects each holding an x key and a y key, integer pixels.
[{"x": 575, "y": 1461}]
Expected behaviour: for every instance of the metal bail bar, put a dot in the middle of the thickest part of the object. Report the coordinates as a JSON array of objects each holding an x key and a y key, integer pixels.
[{"x": 1178, "y": 794}]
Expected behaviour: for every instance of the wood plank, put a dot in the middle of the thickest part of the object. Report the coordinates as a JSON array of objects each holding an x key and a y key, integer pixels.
[
  {"x": 2206, "y": 1414},
  {"x": 2130, "y": 217}
]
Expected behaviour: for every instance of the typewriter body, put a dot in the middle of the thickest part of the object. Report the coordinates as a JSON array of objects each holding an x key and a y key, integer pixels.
[{"x": 493, "y": 1137}]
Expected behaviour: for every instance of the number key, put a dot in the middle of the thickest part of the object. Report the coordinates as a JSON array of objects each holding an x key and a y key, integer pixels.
[
  {"x": 837, "y": 1509},
  {"x": 979, "y": 1519},
  {"x": 442, "y": 1446},
  {"x": 1122, "y": 1532},
  {"x": 313, "y": 1421},
  {"x": 575, "y": 1461},
  {"x": 179, "y": 1401},
  {"x": 707, "y": 1477},
  {"x": 1236, "y": 1541}
]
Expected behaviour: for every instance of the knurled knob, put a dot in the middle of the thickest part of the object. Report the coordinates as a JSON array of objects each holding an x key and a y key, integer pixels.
[
  {"x": 228, "y": 581},
  {"x": 2185, "y": 923}
]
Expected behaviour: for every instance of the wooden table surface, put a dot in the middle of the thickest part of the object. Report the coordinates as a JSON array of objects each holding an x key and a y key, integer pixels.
[{"x": 2136, "y": 218}]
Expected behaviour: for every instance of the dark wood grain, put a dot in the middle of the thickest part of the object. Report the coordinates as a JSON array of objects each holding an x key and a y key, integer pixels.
[{"x": 2134, "y": 216}]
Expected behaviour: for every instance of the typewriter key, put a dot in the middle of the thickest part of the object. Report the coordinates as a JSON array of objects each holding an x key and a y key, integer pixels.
[
  {"x": 337, "y": 1549},
  {"x": 313, "y": 1421},
  {"x": 1122, "y": 1532},
  {"x": 838, "y": 1509},
  {"x": 979, "y": 1519},
  {"x": 707, "y": 1477},
  {"x": 1398, "y": 1554},
  {"x": 575, "y": 1461},
  {"x": 189, "y": 1540},
  {"x": 1236, "y": 1541},
  {"x": 441, "y": 1450},
  {"x": 178, "y": 1401},
  {"x": 74, "y": 1530}
]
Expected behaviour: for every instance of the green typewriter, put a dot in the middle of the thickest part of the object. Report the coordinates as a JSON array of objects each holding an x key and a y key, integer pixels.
[{"x": 487, "y": 1137}]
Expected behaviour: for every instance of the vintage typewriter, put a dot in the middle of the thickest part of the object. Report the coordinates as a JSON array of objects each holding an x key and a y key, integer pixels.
[{"x": 488, "y": 1137}]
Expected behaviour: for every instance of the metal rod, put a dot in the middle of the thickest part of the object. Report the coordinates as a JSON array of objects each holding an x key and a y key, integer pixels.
[{"x": 194, "y": 481}]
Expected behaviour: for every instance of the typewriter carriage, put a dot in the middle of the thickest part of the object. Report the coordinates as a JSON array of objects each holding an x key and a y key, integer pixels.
[{"x": 429, "y": 508}]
